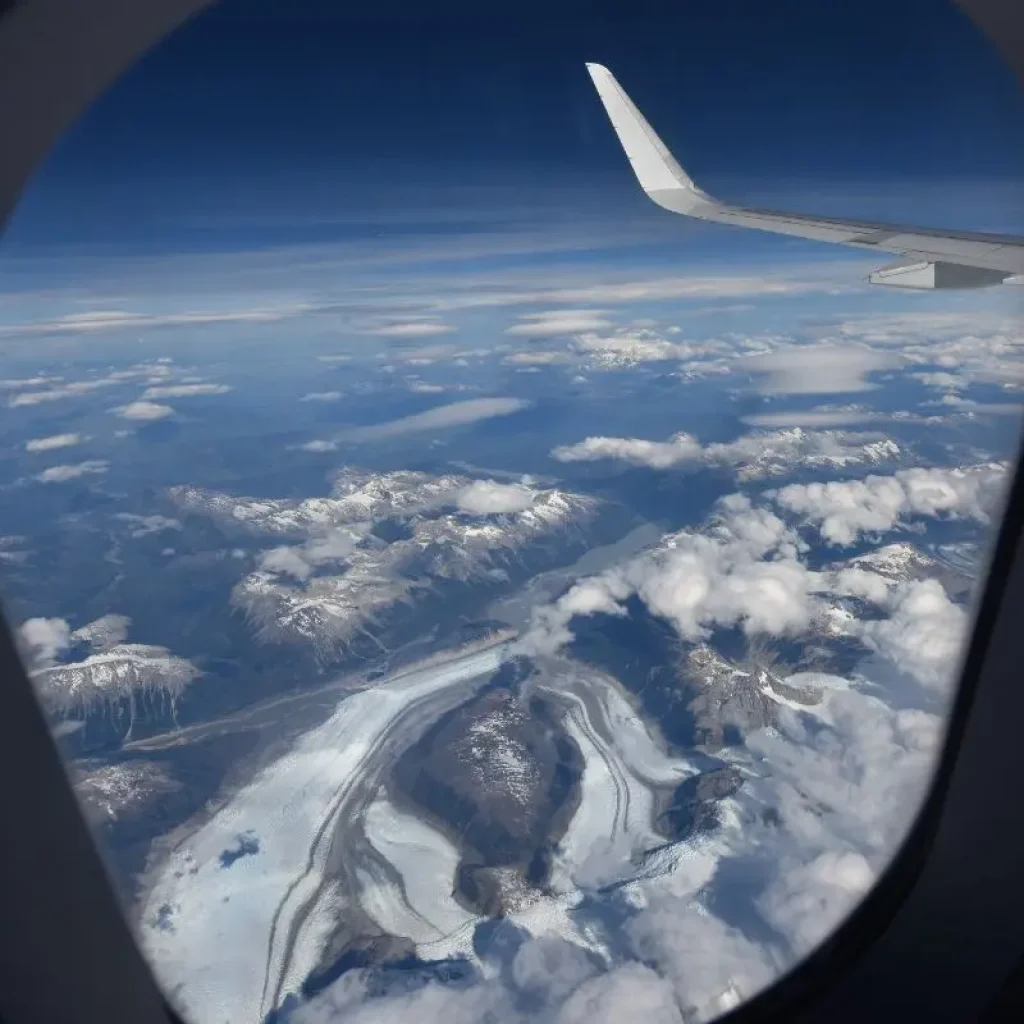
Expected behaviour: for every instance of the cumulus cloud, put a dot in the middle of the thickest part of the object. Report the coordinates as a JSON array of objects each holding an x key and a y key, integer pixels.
[
  {"x": 843, "y": 510},
  {"x": 560, "y": 322},
  {"x": 441, "y": 417},
  {"x": 59, "y": 474},
  {"x": 44, "y": 639},
  {"x": 46, "y": 444},
  {"x": 144, "y": 411},
  {"x": 819, "y": 369},
  {"x": 185, "y": 390},
  {"x": 699, "y": 581},
  {"x": 923, "y": 635},
  {"x": 321, "y": 396},
  {"x": 488, "y": 497}
]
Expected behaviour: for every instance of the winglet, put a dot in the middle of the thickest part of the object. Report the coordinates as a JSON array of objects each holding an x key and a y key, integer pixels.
[{"x": 659, "y": 174}]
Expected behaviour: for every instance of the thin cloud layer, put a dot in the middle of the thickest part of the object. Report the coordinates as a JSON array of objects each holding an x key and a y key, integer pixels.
[
  {"x": 144, "y": 411},
  {"x": 412, "y": 329},
  {"x": 321, "y": 396},
  {"x": 185, "y": 390},
  {"x": 54, "y": 441},
  {"x": 61, "y": 474},
  {"x": 441, "y": 418},
  {"x": 559, "y": 323},
  {"x": 819, "y": 369}
]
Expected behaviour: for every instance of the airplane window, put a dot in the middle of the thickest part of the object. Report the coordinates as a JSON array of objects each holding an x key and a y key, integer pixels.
[{"x": 495, "y": 497}]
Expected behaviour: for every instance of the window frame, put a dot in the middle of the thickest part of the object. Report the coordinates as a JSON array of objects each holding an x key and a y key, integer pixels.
[{"x": 934, "y": 940}]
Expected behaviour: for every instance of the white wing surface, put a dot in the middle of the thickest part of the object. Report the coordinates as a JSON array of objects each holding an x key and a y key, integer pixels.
[{"x": 932, "y": 258}]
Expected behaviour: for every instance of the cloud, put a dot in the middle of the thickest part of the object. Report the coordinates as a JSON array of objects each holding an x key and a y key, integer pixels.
[
  {"x": 681, "y": 448},
  {"x": 321, "y": 396},
  {"x": 285, "y": 560},
  {"x": 44, "y": 639},
  {"x": 59, "y": 474},
  {"x": 46, "y": 444},
  {"x": 110, "y": 320},
  {"x": 104, "y": 632},
  {"x": 185, "y": 390},
  {"x": 844, "y": 509},
  {"x": 923, "y": 635},
  {"x": 536, "y": 358},
  {"x": 319, "y": 446},
  {"x": 752, "y": 455},
  {"x": 144, "y": 411},
  {"x": 818, "y": 369},
  {"x": 556, "y": 323},
  {"x": 697, "y": 581},
  {"x": 143, "y": 526},
  {"x": 69, "y": 390},
  {"x": 488, "y": 497},
  {"x": 412, "y": 329},
  {"x": 441, "y": 417},
  {"x": 813, "y": 418}
]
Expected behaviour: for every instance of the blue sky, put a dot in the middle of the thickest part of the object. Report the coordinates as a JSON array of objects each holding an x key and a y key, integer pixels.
[{"x": 264, "y": 124}]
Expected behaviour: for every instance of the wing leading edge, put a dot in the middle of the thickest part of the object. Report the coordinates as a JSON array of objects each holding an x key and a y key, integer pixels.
[{"x": 932, "y": 258}]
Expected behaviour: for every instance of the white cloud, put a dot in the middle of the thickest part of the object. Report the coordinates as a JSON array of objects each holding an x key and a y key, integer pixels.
[
  {"x": 143, "y": 526},
  {"x": 632, "y": 345},
  {"x": 319, "y": 446},
  {"x": 321, "y": 396},
  {"x": 104, "y": 632},
  {"x": 845, "y": 509},
  {"x": 488, "y": 497},
  {"x": 681, "y": 448},
  {"x": 185, "y": 390},
  {"x": 556, "y": 323},
  {"x": 46, "y": 444},
  {"x": 70, "y": 390},
  {"x": 285, "y": 560},
  {"x": 536, "y": 358},
  {"x": 923, "y": 635},
  {"x": 813, "y": 418},
  {"x": 109, "y": 320},
  {"x": 60, "y": 474},
  {"x": 699, "y": 581},
  {"x": 819, "y": 369},
  {"x": 44, "y": 639},
  {"x": 441, "y": 417},
  {"x": 412, "y": 329},
  {"x": 752, "y": 455},
  {"x": 144, "y": 411}
]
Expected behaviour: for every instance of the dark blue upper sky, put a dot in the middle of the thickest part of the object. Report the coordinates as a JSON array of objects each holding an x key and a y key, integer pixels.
[{"x": 273, "y": 113}]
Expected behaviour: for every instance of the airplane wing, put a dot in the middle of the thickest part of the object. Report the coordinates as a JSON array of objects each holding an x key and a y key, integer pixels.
[{"x": 932, "y": 258}]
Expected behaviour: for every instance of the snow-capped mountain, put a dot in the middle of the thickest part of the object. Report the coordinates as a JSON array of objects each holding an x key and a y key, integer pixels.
[
  {"x": 729, "y": 695},
  {"x": 123, "y": 673},
  {"x": 338, "y": 577}
]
